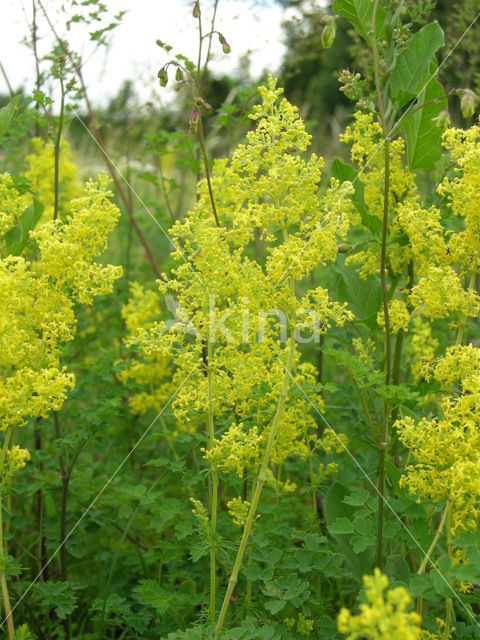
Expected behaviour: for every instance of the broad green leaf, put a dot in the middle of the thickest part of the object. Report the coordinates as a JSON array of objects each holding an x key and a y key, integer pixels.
[
  {"x": 17, "y": 237},
  {"x": 345, "y": 172},
  {"x": 360, "y": 15},
  {"x": 411, "y": 72},
  {"x": 7, "y": 114},
  {"x": 424, "y": 138},
  {"x": 364, "y": 297}
]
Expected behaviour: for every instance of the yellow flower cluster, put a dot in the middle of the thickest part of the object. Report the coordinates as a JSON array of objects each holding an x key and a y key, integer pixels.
[
  {"x": 233, "y": 299},
  {"x": 37, "y": 301},
  {"x": 238, "y": 510},
  {"x": 69, "y": 248},
  {"x": 40, "y": 171},
  {"x": 385, "y": 615},
  {"x": 463, "y": 194},
  {"x": 11, "y": 207},
  {"x": 447, "y": 449}
]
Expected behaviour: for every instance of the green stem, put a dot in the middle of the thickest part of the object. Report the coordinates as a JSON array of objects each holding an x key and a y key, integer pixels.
[
  {"x": 3, "y": 581},
  {"x": 383, "y": 281},
  {"x": 435, "y": 540},
  {"x": 261, "y": 478},
  {"x": 57, "y": 151}
]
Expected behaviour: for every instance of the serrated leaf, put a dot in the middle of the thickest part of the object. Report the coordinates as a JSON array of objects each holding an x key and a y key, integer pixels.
[
  {"x": 424, "y": 138},
  {"x": 149, "y": 593},
  {"x": 363, "y": 524},
  {"x": 340, "y": 526},
  {"x": 274, "y": 606},
  {"x": 411, "y": 71},
  {"x": 419, "y": 585},
  {"x": 357, "y": 498},
  {"x": 360, "y": 15},
  {"x": 361, "y": 543}
]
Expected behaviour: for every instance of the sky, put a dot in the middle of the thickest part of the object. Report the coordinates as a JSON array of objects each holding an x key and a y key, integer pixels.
[{"x": 248, "y": 25}]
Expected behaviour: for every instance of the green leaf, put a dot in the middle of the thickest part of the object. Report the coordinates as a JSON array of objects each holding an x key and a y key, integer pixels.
[
  {"x": 335, "y": 508},
  {"x": 341, "y": 525},
  {"x": 424, "y": 138},
  {"x": 361, "y": 543},
  {"x": 410, "y": 73},
  {"x": 357, "y": 498},
  {"x": 149, "y": 593},
  {"x": 363, "y": 524},
  {"x": 364, "y": 297},
  {"x": 17, "y": 237},
  {"x": 360, "y": 15},
  {"x": 274, "y": 606},
  {"x": 420, "y": 585},
  {"x": 58, "y": 595},
  {"x": 7, "y": 114},
  {"x": 391, "y": 529}
]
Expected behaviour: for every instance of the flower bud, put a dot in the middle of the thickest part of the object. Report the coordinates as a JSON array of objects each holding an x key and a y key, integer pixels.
[
  {"x": 328, "y": 33},
  {"x": 193, "y": 120},
  {"x": 225, "y": 46},
  {"x": 207, "y": 106},
  {"x": 163, "y": 77},
  {"x": 178, "y": 75},
  {"x": 468, "y": 103},
  {"x": 199, "y": 101},
  {"x": 443, "y": 120},
  {"x": 196, "y": 9}
]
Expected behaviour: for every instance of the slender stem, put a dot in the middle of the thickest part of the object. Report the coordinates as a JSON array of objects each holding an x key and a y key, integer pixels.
[
  {"x": 212, "y": 29},
  {"x": 7, "y": 81},
  {"x": 58, "y": 141},
  {"x": 383, "y": 281},
  {"x": 435, "y": 540},
  {"x": 431, "y": 548},
  {"x": 214, "y": 479},
  {"x": 3, "y": 581},
  {"x": 201, "y": 140},
  {"x": 261, "y": 478}
]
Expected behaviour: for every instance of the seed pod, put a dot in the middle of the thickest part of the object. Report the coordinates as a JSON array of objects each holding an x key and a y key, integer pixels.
[
  {"x": 196, "y": 9},
  {"x": 328, "y": 32},
  {"x": 163, "y": 77}
]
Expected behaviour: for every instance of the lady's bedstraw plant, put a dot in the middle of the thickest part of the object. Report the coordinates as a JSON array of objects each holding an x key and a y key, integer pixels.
[
  {"x": 44, "y": 272},
  {"x": 233, "y": 358}
]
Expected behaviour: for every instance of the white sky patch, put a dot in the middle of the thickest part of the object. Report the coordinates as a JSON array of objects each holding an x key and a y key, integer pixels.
[{"x": 133, "y": 54}]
